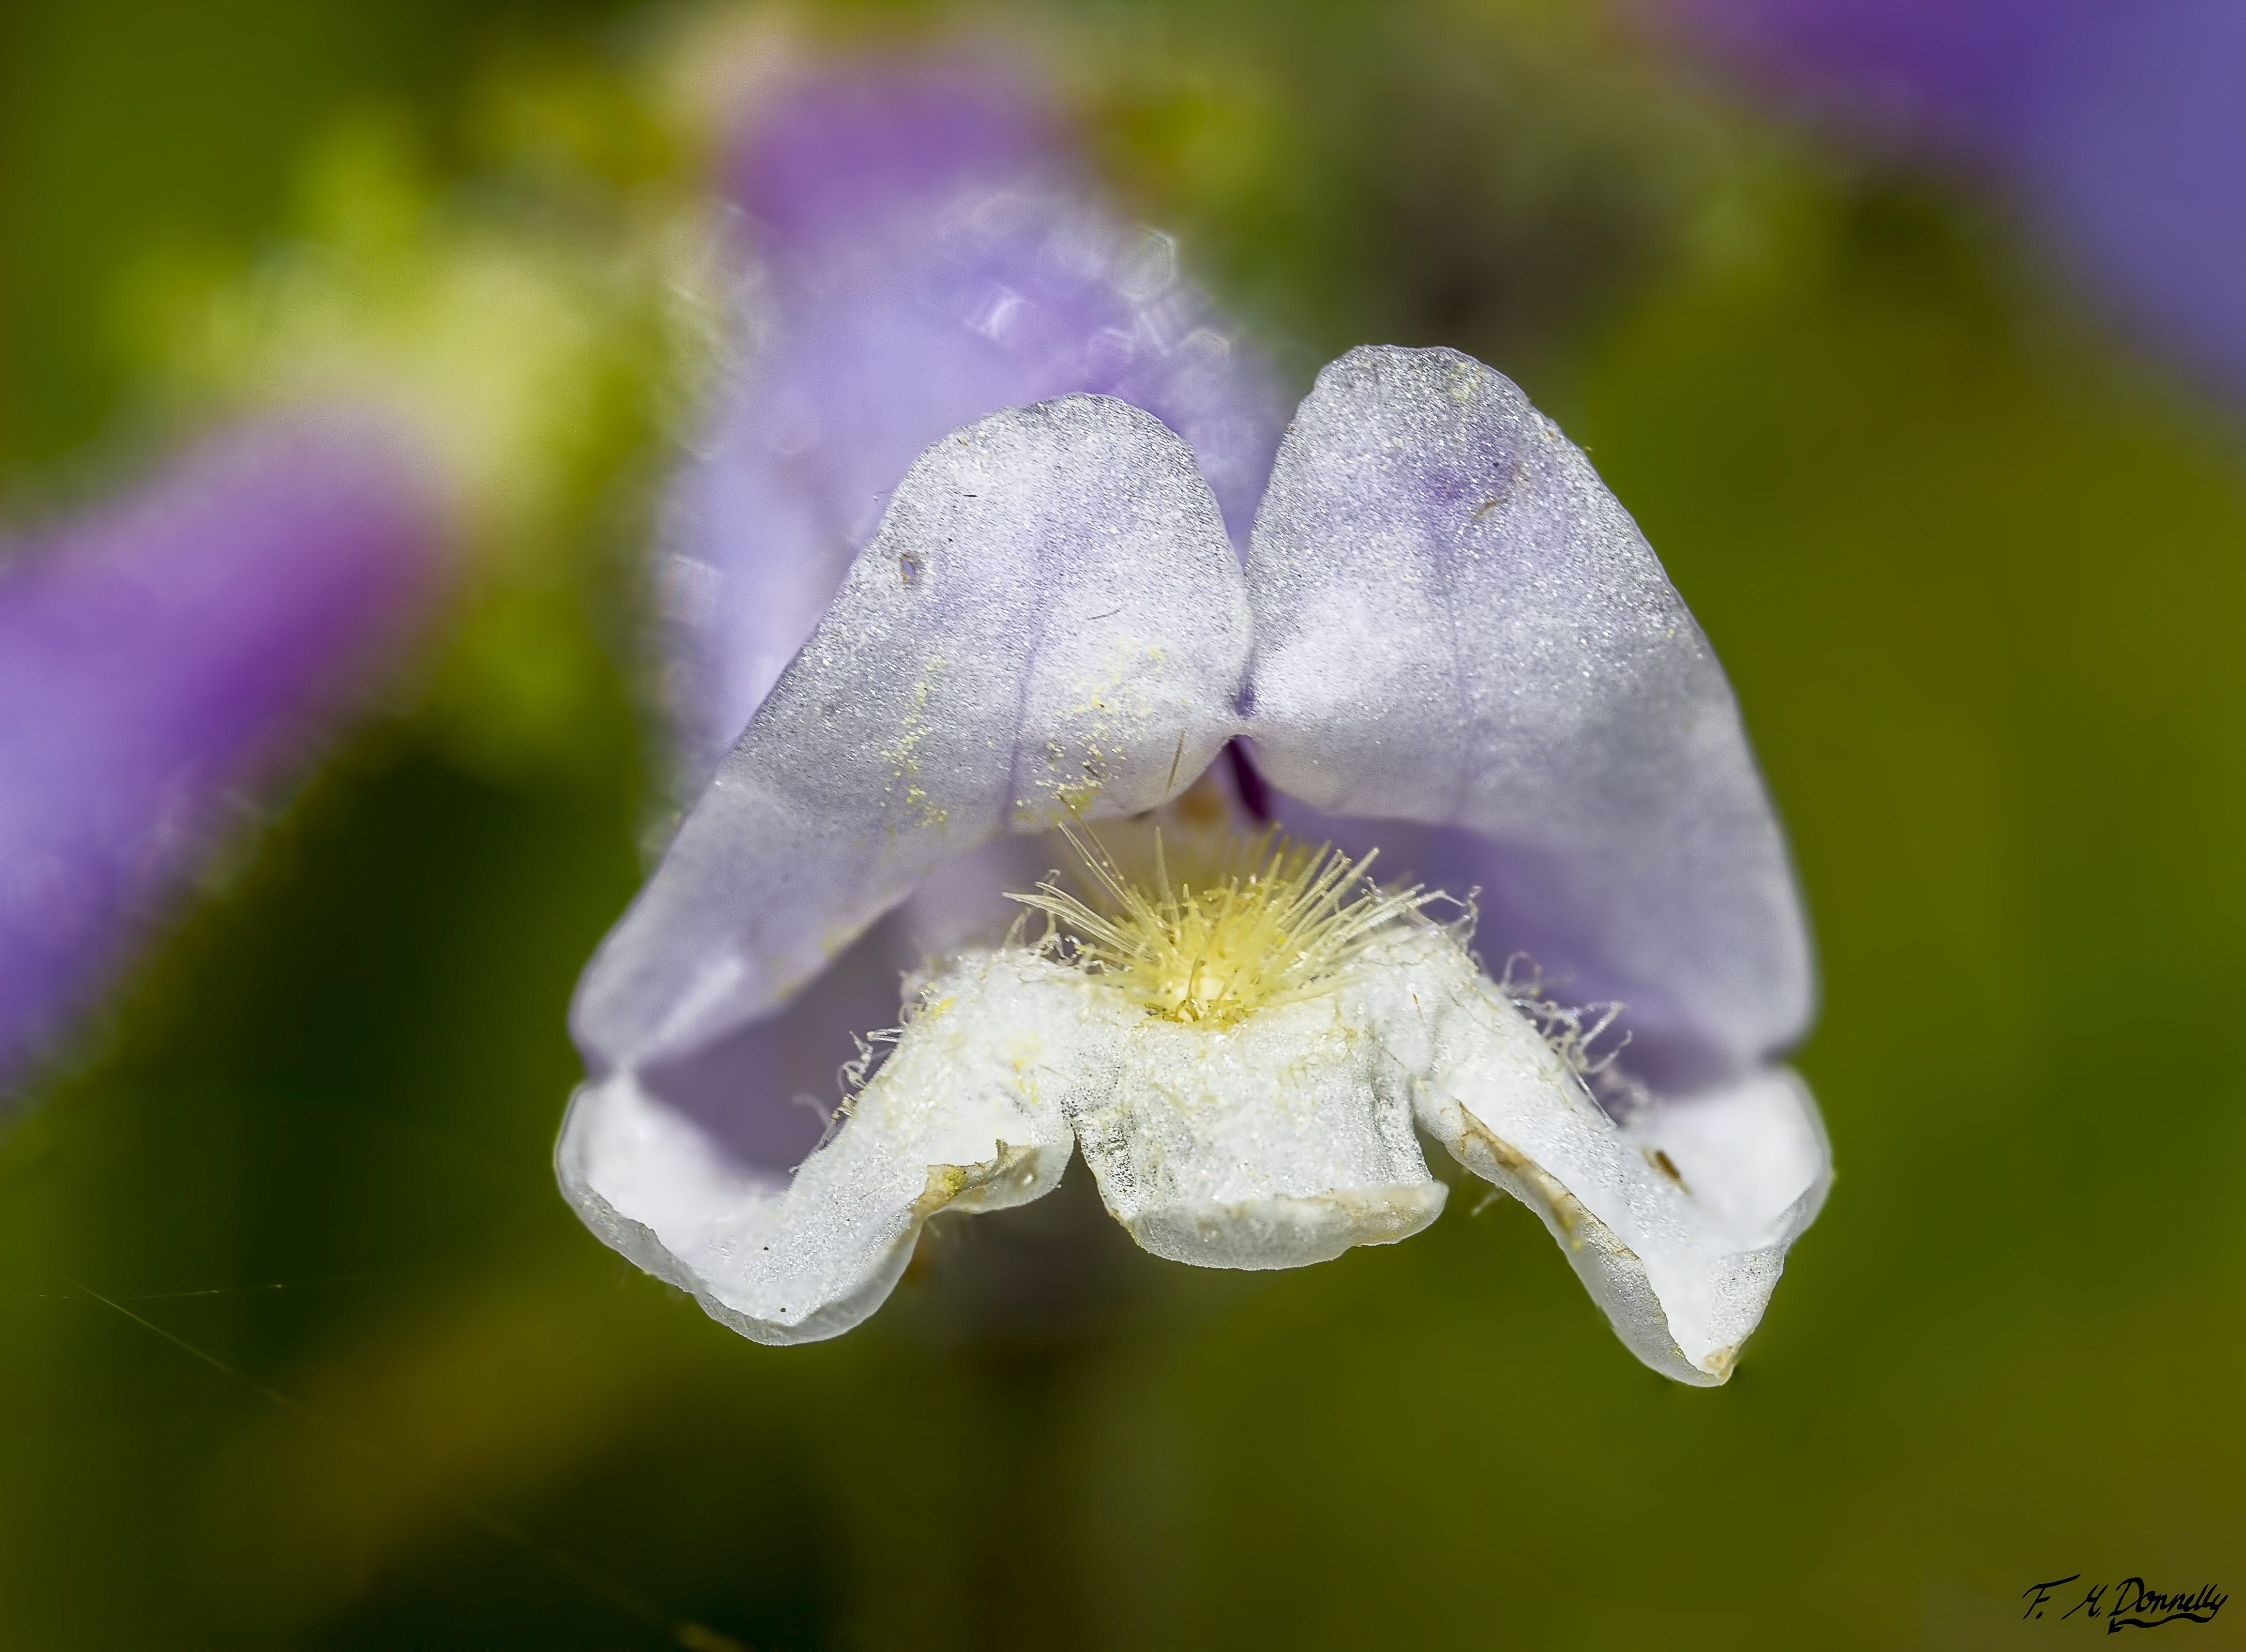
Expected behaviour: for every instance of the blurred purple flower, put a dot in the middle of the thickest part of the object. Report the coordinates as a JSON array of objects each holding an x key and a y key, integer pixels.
[
  {"x": 925, "y": 252},
  {"x": 2120, "y": 123},
  {"x": 157, "y": 657}
]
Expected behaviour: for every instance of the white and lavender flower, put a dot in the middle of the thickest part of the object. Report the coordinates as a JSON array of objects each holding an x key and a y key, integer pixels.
[
  {"x": 156, "y": 657},
  {"x": 922, "y": 254},
  {"x": 1448, "y": 641}
]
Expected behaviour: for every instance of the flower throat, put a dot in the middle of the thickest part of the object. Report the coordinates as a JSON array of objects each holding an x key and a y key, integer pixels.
[{"x": 1274, "y": 926}]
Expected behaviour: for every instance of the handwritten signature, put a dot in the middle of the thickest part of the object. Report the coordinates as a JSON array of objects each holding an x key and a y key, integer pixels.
[{"x": 2135, "y": 1606}]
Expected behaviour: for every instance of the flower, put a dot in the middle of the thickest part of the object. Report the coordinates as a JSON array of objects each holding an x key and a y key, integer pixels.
[
  {"x": 2119, "y": 126},
  {"x": 923, "y": 255},
  {"x": 157, "y": 658},
  {"x": 1446, "y": 629}
]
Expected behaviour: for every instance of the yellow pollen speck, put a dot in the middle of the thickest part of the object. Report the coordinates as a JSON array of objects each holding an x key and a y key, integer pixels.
[{"x": 1275, "y": 926}]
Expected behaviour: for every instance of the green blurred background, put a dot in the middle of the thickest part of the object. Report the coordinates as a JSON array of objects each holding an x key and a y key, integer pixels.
[{"x": 361, "y": 1381}]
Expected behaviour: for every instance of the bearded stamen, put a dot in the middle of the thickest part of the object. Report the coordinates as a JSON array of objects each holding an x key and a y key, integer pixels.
[{"x": 1275, "y": 924}]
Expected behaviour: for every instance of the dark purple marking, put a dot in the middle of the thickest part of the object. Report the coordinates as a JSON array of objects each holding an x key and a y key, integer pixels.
[{"x": 1252, "y": 789}]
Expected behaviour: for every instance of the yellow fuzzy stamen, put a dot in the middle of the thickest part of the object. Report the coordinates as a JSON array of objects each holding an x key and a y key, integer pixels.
[{"x": 1276, "y": 925}]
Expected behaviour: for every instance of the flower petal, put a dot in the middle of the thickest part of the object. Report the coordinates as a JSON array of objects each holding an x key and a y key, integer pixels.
[
  {"x": 1457, "y": 624},
  {"x": 763, "y": 1093},
  {"x": 1276, "y": 1143},
  {"x": 1049, "y": 621},
  {"x": 925, "y": 252},
  {"x": 968, "y": 1114},
  {"x": 1679, "y": 1225}
]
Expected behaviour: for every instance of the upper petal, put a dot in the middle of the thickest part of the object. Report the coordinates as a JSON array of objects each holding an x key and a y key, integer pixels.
[
  {"x": 925, "y": 252},
  {"x": 1050, "y": 620},
  {"x": 1458, "y": 625}
]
